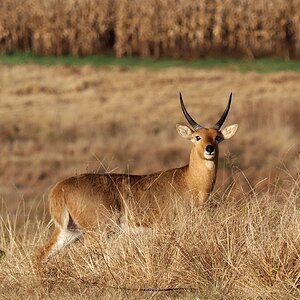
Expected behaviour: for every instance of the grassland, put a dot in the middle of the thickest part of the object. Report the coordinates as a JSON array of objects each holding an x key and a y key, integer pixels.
[
  {"x": 263, "y": 65},
  {"x": 244, "y": 247},
  {"x": 61, "y": 120}
]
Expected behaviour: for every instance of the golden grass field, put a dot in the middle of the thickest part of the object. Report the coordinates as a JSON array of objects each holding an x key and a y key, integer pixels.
[
  {"x": 61, "y": 120},
  {"x": 169, "y": 28}
]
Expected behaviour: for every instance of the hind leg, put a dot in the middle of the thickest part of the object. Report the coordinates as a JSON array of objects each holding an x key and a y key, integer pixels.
[
  {"x": 61, "y": 236},
  {"x": 59, "y": 239},
  {"x": 45, "y": 251}
]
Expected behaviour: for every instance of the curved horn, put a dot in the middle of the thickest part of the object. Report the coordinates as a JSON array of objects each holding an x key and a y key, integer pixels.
[
  {"x": 219, "y": 124},
  {"x": 193, "y": 123}
]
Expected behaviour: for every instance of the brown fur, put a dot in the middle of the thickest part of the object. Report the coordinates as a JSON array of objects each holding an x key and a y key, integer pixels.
[{"x": 95, "y": 200}]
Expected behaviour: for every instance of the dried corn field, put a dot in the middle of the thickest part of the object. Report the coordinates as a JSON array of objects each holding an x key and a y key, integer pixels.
[{"x": 180, "y": 28}]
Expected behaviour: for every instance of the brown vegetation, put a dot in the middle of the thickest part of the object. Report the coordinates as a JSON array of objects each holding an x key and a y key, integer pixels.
[
  {"x": 59, "y": 121},
  {"x": 244, "y": 247},
  {"x": 151, "y": 28}
]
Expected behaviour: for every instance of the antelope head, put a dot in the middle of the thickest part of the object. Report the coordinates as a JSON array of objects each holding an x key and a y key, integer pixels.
[{"x": 206, "y": 140}]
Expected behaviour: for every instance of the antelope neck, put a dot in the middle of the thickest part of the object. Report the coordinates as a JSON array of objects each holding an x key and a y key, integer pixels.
[{"x": 201, "y": 172}]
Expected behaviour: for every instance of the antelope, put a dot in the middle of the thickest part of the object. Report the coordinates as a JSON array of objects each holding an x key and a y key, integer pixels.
[{"x": 90, "y": 201}]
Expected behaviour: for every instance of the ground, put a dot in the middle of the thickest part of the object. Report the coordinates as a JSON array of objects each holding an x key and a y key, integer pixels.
[
  {"x": 57, "y": 121},
  {"x": 62, "y": 120}
]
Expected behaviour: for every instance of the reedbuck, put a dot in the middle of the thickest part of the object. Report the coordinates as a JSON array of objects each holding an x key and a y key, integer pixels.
[{"x": 90, "y": 201}]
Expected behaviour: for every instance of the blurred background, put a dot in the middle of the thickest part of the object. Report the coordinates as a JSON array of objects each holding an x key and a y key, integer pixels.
[
  {"x": 159, "y": 28},
  {"x": 92, "y": 86}
]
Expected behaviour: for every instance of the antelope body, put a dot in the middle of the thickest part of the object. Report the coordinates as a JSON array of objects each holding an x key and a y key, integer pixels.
[{"x": 91, "y": 201}]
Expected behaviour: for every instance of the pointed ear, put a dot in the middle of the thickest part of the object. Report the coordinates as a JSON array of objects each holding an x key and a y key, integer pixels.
[
  {"x": 229, "y": 131},
  {"x": 184, "y": 131}
]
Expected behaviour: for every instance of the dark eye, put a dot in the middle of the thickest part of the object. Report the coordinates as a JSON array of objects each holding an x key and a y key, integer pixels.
[
  {"x": 219, "y": 139},
  {"x": 198, "y": 138}
]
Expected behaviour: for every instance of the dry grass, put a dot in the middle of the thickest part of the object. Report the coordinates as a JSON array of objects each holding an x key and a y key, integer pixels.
[
  {"x": 151, "y": 28},
  {"x": 59, "y": 121},
  {"x": 244, "y": 247}
]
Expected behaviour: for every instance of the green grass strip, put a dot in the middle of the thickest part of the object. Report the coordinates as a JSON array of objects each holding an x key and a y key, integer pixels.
[{"x": 262, "y": 65}]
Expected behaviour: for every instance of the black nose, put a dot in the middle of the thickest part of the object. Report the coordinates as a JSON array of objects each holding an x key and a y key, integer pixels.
[{"x": 210, "y": 149}]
